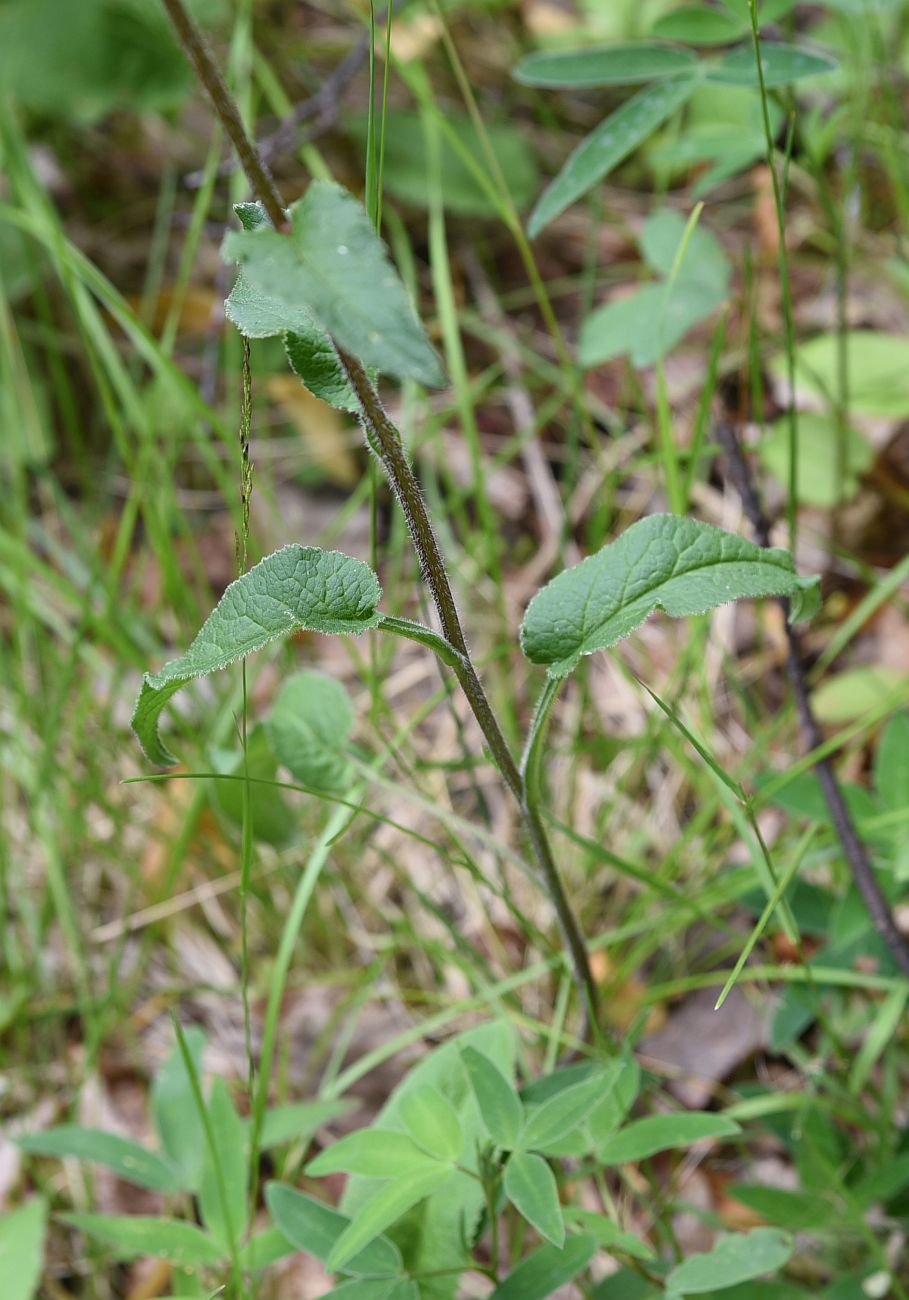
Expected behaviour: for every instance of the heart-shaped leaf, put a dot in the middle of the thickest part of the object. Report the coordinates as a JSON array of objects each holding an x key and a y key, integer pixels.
[
  {"x": 606, "y": 65},
  {"x": 310, "y": 722},
  {"x": 334, "y": 264},
  {"x": 662, "y": 562},
  {"x": 611, "y": 142},
  {"x": 296, "y": 587}
]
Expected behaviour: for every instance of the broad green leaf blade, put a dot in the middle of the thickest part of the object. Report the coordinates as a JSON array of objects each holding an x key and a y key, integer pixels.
[
  {"x": 309, "y": 727},
  {"x": 609, "y": 144},
  {"x": 132, "y": 1235},
  {"x": 562, "y": 1113},
  {"x": 891, "y": 764},
  {"x": 700, "y": 26},
  {"x": 264, "y": 1249},
  {"x": 782, "y": 1207},
  {"x": 174, "y": 1109},
  {"x": 646, "y": 1137},
  {"x": 608, "y": 1234},
  {"x": 225, "y": 1215},
  {"x": 388, "y": 1205},
  {"x": 378, "y": 1153},
  {"x": 607, "y": 65},
  {"x": 432, "y": 1122},
  {"x": 530, "y": 1185},
  {"x": 499, "y": 1104},
  {"x": 736, "y": 1258},
  {"x": 297, "y": 1121},
  {"x": 315, "y": 362},
  {"x": 703, "y": 260},
  {"x": 274, "y": 820},
  {"x": 314, "y": 1227},
  {"x": 878, "y": 377},
  {"x": 22, "y": 1249},
  {"x": 255, "y": 314},
  {"x": 781, "y": 65},
  {"x": 334, "y": 263},
  {"x": 821, "y": 481},
  {"x": 648, "y": 324},
  {"x": 662, "y": 562},
  {"x": 547, "y": 1269},
  {"x": 298, "y": 587},
  {"x": 127, "y": 1159}
]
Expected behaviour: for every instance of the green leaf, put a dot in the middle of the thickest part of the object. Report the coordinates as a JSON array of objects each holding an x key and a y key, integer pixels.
[
  {"x": 679, "y": 565},
  {"x": 273, "y": 819},
  {"x": 295, "y": 588},
  {"x": 265, "y": 1249},
  {"x": 781, "y": 65},
  {"x": 133, "y": 1235},
  {"x": 174, "y": 1110},
  {"x": 531, "y": 1187},
  {"x": 311, "y": 1226},
  {"x": 334, "y": 263},
  {"x": 127, "y": 1159},
  {"x": 297, "y": 1121},
  {"x": 820, "y": 482},
  {"x": 857, "y": 692},
  {"x": 309, "y": 727},
  {"x": 609, "y": 1235},
  {"x": 891, "y": 764},
  {"x": 314, "y": 361},
  {"x": 645, "y": 1137},
  {"x": 736, "y": 1258},
  {"x": 385, "y": 1288},
  {"x": 499, "y": 1104},
  {"x": 878, "y": 376},
  {"x": 797, "y": 1211},
  {"x": 562, "y": 1113},
  {"x": 388, "y": 1205},
  {"x": 22, "y": 1248},
  {"x": 435, "y": 1234},
  {"x": 647, "y": 325},
  {"x": 376, "y": 1152},
  {"x": 605, "y": 65},
  {"x": 547, "y": 1269},
  {"x": 407, "y": 170},
  {"x": 432, "y": 1122},
  {"x": 699, "y": 25},
  {"x": 225, "y": 1217},
  {"x": 608, "y": 145},
  {"x": 704, "y": 260}
]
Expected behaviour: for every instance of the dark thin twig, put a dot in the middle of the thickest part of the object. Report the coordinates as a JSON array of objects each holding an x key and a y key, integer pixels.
[
  {"x": 321, "y": 109},
  {"x": 853, "y": 849}
]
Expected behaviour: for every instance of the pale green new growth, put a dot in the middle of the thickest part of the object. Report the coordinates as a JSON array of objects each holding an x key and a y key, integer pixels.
[
  {"x": 662, "y": 562},
  {"x": 298, "y": 587},
  {"x": 335, "y": 265},
  {"x": 734, "y": 1259}
]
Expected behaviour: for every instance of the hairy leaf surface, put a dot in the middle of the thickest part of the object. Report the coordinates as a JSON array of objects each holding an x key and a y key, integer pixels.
[
  {"x": 294, "y": 588},
  {"x": 663, "y": 562}
]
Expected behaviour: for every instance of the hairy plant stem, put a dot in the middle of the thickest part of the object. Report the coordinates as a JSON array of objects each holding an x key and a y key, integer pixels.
[{"x": 386, "y": 443}]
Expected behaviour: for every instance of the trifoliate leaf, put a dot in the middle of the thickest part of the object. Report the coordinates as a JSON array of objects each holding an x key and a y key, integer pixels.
[
  {"x": 662, "y": 562},
  {"x": 296, "y": 587}
]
